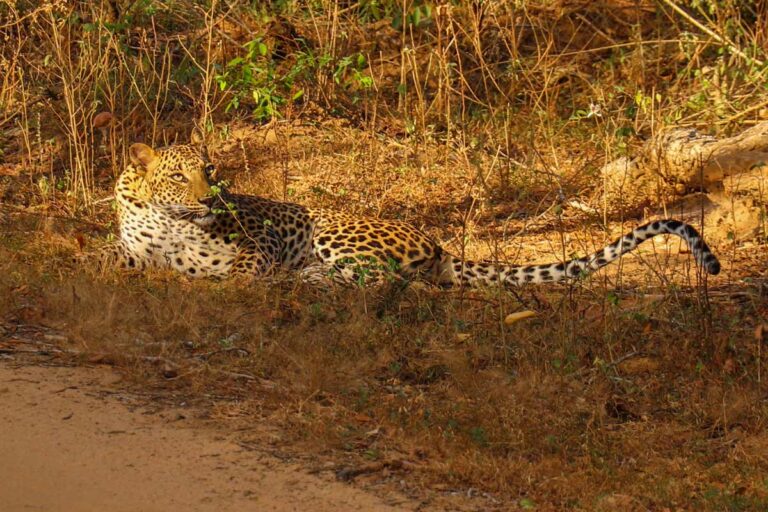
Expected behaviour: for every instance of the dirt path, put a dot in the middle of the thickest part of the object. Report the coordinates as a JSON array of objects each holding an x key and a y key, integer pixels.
[{"x": 63, "y": 447}]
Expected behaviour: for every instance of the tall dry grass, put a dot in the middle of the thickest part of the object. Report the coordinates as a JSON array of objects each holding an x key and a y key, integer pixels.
[{"x": 514, "y": 79}]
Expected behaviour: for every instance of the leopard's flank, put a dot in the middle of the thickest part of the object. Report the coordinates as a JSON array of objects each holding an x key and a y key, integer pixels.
[{"x": 172, "y": 215}]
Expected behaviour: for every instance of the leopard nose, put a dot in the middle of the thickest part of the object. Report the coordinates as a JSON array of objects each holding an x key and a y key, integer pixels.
[{"x": 206, "y": 201}]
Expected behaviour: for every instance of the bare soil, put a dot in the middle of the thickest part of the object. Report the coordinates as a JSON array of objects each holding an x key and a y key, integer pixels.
[{"x": 72, "y": 441}]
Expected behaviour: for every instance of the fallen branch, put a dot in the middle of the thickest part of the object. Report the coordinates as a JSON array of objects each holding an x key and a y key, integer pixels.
[
  {"x": 207, "y": 355},
  {"x": 730, "y": 175},
  {"x": 348, "y": 474}
]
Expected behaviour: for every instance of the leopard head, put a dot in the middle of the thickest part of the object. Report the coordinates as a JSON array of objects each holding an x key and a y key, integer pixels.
[{"x": 179, "y": 177}]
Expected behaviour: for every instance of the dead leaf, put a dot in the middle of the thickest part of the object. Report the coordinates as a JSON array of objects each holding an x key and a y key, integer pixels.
[
  {"x": 516, "y": 317},
  {"x": 80, "y": 240},
  {"x": 102, "y": 359},
  {"x": 637, "y": 365},
  {"x": 362, "y": 418}
]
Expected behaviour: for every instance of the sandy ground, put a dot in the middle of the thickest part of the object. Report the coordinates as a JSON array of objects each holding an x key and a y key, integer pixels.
[{"x": 66, "y": 445}]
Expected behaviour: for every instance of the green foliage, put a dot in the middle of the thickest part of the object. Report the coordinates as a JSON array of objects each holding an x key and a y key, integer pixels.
[
  {"x": 368, "y": 268},
  {"x": 724, "y": 500},
  {"x": 256, "y": 80},
  {"x": 479, "y": 436},
  {"x": 349, "y": 71},
  {"x": 418, "y": 13},
  {"x": 253, "y": 76}
]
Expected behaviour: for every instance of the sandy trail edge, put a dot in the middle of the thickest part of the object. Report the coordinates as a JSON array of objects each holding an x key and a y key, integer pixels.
[{"x": 68, "y": 449}]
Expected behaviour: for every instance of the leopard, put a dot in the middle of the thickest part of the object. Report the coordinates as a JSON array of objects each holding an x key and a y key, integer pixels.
[{"x": 173, "y": 212}]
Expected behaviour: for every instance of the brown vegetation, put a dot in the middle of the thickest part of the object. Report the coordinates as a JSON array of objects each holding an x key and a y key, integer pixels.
[{"x": 641, "y": 388}]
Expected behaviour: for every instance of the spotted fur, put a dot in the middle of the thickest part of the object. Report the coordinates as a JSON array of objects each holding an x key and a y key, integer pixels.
[{"x": 170, "y": 216}]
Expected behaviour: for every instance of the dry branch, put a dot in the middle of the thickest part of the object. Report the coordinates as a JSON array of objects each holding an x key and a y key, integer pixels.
[{"x": 730, "y": 172}]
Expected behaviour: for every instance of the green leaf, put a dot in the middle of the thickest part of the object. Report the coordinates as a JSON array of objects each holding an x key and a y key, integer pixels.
[{"x": 416, "y": 16}]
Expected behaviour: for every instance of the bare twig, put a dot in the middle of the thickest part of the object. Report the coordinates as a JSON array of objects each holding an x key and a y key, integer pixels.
[{"x": 721, "y": 39}]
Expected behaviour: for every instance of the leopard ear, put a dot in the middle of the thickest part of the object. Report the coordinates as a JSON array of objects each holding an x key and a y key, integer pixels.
[
  {"x": 143, "y": 156},
  {"x": 197, "y": 137}
]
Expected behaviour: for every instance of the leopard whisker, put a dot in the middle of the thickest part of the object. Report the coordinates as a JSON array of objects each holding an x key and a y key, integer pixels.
[{"x": 181, "y": 211}]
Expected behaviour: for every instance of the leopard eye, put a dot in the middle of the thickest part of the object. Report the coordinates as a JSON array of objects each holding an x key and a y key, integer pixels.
[
  {"x": 178, "y": 177},
  {"x": 209, "y": 170}
]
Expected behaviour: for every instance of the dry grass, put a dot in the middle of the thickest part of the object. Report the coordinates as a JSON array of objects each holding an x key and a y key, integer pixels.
[
  {"x": 604, "y": 396},
  {"x": 641, "y": 388}
]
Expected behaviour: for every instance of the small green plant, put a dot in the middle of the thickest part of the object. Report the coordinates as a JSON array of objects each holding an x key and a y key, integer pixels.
[
  {"x": 479, "y": 436},
  {"x": 363, "y": 397},
  {"x": 316, "y": 311},
  {"x": 252, "y": 79},
  {"x": 594, "y": 110},
  {"x": 44, "y": 186},
  {"x": 349, "y": 72},
  {"x": 418, "y": 13},
  {"x": 229, "y": 206},
  {"x": 367, "y": 268},
  {"x": 725, "y": 500}
]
